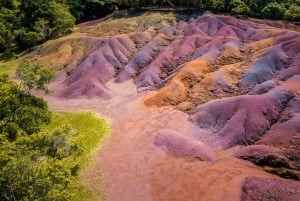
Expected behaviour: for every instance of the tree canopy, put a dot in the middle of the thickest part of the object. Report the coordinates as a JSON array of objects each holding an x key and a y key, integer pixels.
[
  {"x": 34, "y": 165},
  {"x": 26, "y": 23},
  {"x": 34, "y": 76}
]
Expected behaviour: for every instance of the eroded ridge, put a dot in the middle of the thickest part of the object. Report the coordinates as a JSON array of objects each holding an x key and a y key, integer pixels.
[{"x": 203, "y": 109}]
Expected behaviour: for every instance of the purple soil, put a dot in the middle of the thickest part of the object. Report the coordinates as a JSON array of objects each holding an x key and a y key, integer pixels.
[
  {"x": 255, "y": 188},
  {"x": 97, "y": 68},
  {"x": 242, "y": 119},
  {"x": 275, "y": 59},
  {"x": 151, "y": 56},
  {"x": 183, "y": 146},
  {"x": 264, "y": 67},
  {"x": 280, "y": 146}
]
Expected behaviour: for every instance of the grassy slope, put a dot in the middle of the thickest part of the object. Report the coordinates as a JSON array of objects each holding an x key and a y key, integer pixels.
[
  {"x": 10, "y": 61},
  {"x": 89, "y": 131},
  {"x": 6, "y": 67}
]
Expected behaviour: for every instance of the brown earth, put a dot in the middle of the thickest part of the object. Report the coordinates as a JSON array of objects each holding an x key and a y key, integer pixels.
[{"x": 202, "y": 109}]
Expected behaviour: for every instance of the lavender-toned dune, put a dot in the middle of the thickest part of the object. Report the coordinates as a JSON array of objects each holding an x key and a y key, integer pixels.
[
  {"x": 203, "y": 107},
  {"x": 184, "y": 146}
]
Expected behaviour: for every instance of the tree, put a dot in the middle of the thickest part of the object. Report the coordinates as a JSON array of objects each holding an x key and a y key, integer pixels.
[
  {"x": 273, "y": 11},
  {"x": 8, "y": 20},
  {"x": 26, "y": 23},
  {"x": 34, "y": 76},
  {"x": 238, "y": 7},
  {"x": 8, "y": 104},
  {"x": 60, "y": 20},
  {"x": 60, "y": 146},
  {"x": 293, "y": 13},
  {"x": 20, "y": 112},
  {"x": 29, "y": 171},
  {"x": 218, "y": 5}
]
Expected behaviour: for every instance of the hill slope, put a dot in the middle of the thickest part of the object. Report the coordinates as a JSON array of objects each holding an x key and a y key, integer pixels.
[{"x": 192, "y": 99}]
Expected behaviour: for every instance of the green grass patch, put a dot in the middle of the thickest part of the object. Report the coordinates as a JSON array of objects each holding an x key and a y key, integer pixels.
[
  {"x": 88, "y": 130},
  {"x": 9, "y": 62},
  {"x": 5, "y": 69}
]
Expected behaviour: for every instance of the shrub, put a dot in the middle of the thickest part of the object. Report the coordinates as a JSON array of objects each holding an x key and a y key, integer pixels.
[
  {"x": 293, "y": 13},
  {"x": 273, "y": 11},
  {"x": 238, "y": 7}
]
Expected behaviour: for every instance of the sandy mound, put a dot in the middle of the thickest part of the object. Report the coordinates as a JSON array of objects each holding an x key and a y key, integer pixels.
[
  {"x": 278, "y": 150},
  {"x": 183, "y": 146},
  {"x": 242, "y": 119}
]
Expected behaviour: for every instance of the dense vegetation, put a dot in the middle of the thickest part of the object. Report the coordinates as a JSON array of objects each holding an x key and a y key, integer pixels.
[
  {"x": 25, "y": 23},
  {"x": 44, "y": 165},
  {"x": 40, "y": 158},
  {"x": 20, "y": 112}
]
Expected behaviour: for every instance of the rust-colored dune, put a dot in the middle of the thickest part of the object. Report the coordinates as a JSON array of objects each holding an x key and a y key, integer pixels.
[{"x": 206, "y": 108}]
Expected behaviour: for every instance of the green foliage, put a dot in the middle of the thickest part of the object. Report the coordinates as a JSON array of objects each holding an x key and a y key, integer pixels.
[
  {"x": 34, "y": 76},
  {"x": 238, "y": 7},
  {"x": 84, "y": 10},
  {"x": 273, "y": 11},
  {"x": 60, "y": 146},
  {"x": 19, "y": 111},
  {"x": 29, "y": 118},
  {"x": 11, "y": 130},
  {"x": 27, "y": 173},
  {"x": 218, "y": 5},
  {"x": 60, "y": 19},
  {"x": 44, "y": 166},
  {"x": 7, "y": 23},
  {"x": 28, "y": 39},
  {"x": 25, "y": 23},
  {"x": 88, "y": 126},
  {"x": 293, "y": 13}
]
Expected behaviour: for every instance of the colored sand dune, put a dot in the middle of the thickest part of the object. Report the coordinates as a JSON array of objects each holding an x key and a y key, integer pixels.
[{"x": 206, "y": 108}]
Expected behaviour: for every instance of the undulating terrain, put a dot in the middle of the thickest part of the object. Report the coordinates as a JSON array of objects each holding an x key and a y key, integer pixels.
[{"x": 203, "y": 107}]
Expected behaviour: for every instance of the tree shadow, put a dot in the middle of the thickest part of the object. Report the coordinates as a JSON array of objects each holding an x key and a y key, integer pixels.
[
  {"x": 6, "y": 56},
  {"x": 181, "y": 13}
]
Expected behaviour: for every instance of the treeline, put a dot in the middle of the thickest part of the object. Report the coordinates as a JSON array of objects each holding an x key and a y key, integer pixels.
[
  {"x": 26, "y": 23},
  {"x": 268, "y": 9}
]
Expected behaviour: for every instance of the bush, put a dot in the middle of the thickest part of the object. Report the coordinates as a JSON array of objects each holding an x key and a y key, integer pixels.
[
  {"x": 273, "y": 11},
  {"x": 44, "y": 166},
  {"x": 293, "y": 13},
  {"x": 11, "y": 130},
  {"x": 19, "y": 110},
  {"x": 34, "y": 76},
  {"x": 28, "y": 39},
  {"x": 61, "y": 20},
  {"x": 238, "y": 7},
  {"x": 218, "y": 5}
]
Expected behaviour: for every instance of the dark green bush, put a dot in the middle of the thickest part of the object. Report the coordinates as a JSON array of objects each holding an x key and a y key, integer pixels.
[
  {"x": 273, "y": 11},
  {"x": 238, "y": 7},
  {"x": 293, "y": 13}
]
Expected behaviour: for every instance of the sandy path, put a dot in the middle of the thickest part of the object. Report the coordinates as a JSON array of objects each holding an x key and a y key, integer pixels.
[{"x": 134, "y": 169}]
